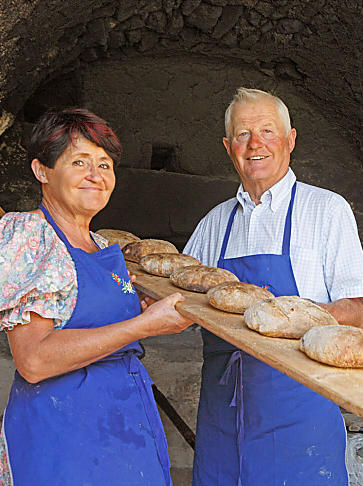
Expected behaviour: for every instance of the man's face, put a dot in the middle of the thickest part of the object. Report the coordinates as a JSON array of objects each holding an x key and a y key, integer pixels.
[{"x": 258, "y": 145}]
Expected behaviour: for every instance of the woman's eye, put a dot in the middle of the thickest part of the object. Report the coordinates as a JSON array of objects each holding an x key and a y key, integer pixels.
[
  {"x": 104, "y": 165},
  {"x": 78, "y": 163}
]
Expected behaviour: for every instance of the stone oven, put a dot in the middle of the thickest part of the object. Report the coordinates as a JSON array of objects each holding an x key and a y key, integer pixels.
[{"x": 162, "y": 73}]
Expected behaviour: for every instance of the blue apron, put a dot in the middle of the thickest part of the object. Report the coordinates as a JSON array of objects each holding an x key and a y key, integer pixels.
[
  {"x": 256, "y": 426},
  {"x": 98, "y": 425}
]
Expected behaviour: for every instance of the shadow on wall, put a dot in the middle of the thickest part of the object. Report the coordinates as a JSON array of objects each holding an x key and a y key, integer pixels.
[{"x": 169, "y": 115}]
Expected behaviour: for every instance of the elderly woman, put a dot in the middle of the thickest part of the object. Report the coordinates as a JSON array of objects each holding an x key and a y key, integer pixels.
[{"x": 81, "y": 410}]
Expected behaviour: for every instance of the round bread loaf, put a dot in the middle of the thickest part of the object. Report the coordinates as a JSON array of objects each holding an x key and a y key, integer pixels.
[
  {"x": 200, "y": 278},
  {"x": 340, "y": 346},
  {"x": 164, "y": 264},
  {"x": 286, "y": 316},
  {"x": 122, "y": 238},
  {"x": 135, "y": 250},
  {"x": 236, "y": 296}
]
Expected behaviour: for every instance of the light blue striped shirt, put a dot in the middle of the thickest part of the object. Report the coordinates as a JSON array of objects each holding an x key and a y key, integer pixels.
[{"x": 326, "y": 254}]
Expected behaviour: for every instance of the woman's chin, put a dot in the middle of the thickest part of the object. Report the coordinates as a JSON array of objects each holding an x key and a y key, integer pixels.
[{"x": 91, "y": 208}]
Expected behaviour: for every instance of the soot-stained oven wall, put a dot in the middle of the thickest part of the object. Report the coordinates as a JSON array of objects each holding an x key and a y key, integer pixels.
[{"x": 169, "y": 115}]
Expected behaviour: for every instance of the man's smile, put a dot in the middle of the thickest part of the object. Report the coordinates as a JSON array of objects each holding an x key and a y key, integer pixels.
[{"x": 258, "y": 157}]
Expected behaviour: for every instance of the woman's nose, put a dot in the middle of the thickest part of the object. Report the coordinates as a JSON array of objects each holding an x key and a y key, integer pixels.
[{"x": 94, "y": 172}]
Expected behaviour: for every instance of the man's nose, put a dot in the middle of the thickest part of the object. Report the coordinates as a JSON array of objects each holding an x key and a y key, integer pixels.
[{"x": 254, "y": 141}]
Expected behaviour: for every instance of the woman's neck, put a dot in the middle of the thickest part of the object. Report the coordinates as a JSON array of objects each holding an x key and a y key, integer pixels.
[{"x": 74, "y": 225}]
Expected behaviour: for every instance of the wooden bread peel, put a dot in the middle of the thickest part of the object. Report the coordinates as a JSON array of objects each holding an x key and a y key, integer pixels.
[{"x": 342, "y": 386}]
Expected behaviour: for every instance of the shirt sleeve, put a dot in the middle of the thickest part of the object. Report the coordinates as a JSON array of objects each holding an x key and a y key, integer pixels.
[
  {"x": 100, "y": 240},
  {"x": 194, "y": 244},
  {"x": 36, "y": 272},
  {"x": 343, "y": 259}
]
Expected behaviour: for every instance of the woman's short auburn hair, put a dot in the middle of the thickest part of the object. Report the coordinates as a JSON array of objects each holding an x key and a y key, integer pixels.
[{"x": 55, "y": 131}]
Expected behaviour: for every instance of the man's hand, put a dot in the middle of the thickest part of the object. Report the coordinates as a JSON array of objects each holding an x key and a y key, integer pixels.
[{"x": 346, "y": 311}]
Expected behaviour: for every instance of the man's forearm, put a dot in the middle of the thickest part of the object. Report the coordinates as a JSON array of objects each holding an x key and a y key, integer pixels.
[{"x": 347, "y": 311}]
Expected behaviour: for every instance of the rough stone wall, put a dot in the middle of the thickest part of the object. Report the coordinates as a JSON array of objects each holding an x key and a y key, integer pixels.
[
  {"x": 312, "y": 43},
  {"x": 169, "y": 115},
  {"x": 60, "y": 52}
]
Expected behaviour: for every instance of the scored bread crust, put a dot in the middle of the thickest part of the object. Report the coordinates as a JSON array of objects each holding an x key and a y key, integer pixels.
[
  {"x": 135, "y": 250},
  {"x": 164, "y": 264},
  {"x": 200, "y": 278},
  {"x": 122, "y": 238},
  {"x": 286, "y": 316},
  {"x": 236, "y": 297},
  {"x": 340, "y": 346}
]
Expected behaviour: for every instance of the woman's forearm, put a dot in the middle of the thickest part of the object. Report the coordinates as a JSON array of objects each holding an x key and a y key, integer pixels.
[
  {"x": 41, "y": 352},
  {"x": 64, "y": 350}
]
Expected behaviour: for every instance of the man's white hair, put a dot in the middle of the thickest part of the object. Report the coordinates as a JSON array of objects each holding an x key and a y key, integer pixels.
[{"x": 247, "y": 95}]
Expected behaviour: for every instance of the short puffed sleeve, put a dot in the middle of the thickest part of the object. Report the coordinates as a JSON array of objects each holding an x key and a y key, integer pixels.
[{"x": 37, "y": 273}]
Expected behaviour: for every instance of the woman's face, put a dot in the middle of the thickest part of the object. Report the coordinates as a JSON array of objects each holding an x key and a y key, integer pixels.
[{"x": 82, "y": 179}]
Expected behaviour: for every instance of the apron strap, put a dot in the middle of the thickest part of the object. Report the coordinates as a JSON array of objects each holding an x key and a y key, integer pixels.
[
  {"x": 235, "y": 364},
  {"x": 226, "y": 235},
  {"x": 59, "y": 232},
  {"x": 287, "y": 230},
  {"x": 144, "y": 382}
]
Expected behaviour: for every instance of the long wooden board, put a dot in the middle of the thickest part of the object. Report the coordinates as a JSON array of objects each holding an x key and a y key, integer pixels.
[{"x": 342, "y": 386}]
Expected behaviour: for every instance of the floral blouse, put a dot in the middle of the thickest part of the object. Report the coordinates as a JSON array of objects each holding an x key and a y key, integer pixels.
[{"x": 37, "y": 274}]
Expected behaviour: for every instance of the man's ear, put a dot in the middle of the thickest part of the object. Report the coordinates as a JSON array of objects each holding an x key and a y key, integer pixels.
[
  {"x": 291, "y": 138},
  {"x": 39, "y": 171},
  {"x": 227, "y": 145}
]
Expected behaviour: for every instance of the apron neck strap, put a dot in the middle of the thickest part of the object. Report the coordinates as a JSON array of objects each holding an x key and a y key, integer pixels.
[
  {"x": 59, "y": 232},
  {"x": 287, "y": 230}
]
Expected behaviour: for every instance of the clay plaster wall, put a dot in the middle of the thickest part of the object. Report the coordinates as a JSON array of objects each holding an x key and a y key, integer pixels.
[{"x": 175, "y": 105}]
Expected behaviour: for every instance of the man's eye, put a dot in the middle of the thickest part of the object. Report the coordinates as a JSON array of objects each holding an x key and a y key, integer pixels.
[{"x": 242, "y": 135}]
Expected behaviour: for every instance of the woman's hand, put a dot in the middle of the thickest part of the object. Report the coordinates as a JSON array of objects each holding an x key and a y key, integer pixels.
[
  {"x": 145, "y": 301},
  {"x": 40, "y": 351},
  {"x": 161, "y": 317}
]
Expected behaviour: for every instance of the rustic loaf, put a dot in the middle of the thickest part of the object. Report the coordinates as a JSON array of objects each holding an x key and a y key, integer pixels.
[
  {"x": 236, "y": 296},
  {"x": 2, "y": 212},
  {"x": 340, "y": 346},
  {"x": 135, "y": 250},
  {"x": 286, "y": 316},
  {"x": 164, "y": 264},
  {"x": 122, "y": 238},
  {"x": 200, "y": 278}
]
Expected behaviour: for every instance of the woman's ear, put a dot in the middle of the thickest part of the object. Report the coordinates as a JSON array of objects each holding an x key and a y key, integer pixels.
[{"x": 39, "y": 171}]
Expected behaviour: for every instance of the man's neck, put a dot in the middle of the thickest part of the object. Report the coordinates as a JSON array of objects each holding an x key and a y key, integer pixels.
[{"x": 257, "y": 188}]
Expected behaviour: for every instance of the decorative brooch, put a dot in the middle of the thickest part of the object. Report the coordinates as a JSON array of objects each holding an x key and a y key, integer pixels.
[{"x": 126, "y": 287}]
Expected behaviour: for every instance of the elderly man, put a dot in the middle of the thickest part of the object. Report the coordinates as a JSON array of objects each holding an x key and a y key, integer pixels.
[{"x": 298, "y": 240}]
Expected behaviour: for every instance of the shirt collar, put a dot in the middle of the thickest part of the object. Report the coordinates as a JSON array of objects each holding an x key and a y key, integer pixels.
[{"x": 273, "y": 196}]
